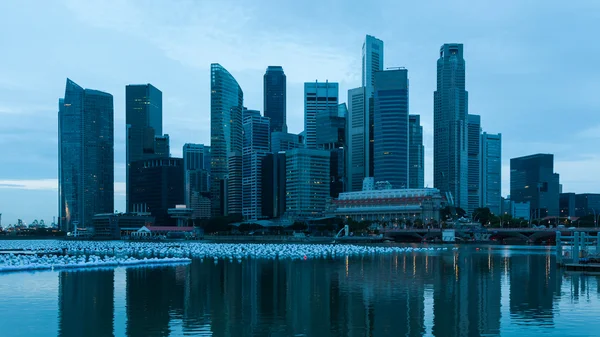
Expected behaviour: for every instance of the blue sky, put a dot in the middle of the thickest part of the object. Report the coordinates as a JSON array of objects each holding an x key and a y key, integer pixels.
[{"x": 532, "y": 72}]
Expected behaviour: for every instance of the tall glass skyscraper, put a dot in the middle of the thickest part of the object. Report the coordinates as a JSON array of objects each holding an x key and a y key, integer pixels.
[
  {"x": 450, "y": 110},
  {"x": 226, "y": 138},
  {"x": 196, "y": 173},
  {"x": 416, "y": 153},
  {"x": 360, "y": 119},
  {"x": 491, "y": 172},
  {"x": 85, "y": 155},
  {"x": 256, "y": 147},
  {"x": 474, "y": 155},
  {"x": 318, "y": 96},
  {"x": 274, "y": 90},
  {"x": 143, "y": 119},
  {"x": 307, "y": 182},
  {"x": 391, "y": 127}
]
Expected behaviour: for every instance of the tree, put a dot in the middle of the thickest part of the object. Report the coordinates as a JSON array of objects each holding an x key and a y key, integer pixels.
[
  {"x": 298, "y": 226},
  {"x": 445, "y": 213}
]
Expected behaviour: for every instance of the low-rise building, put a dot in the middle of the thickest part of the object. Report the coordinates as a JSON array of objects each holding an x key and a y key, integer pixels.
[
  {"x": 389, "y": 205},
  {"x": 113, "y": 226}
]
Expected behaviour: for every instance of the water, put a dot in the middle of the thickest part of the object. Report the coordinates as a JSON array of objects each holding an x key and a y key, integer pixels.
[{"x": 488, "y": 292}]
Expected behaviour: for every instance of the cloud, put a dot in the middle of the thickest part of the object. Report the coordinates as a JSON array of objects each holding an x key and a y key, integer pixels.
[
  {"x": 46, "y": 184},
  {"x": 592, "y": 132},
  {"x": 199, "y": 33}
]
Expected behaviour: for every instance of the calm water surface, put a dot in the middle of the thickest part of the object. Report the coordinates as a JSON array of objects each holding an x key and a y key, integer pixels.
[{"x": 488, "y": 292}]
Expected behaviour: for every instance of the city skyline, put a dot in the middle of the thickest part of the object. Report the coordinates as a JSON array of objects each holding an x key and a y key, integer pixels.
[{"x": 28, "y": 180}]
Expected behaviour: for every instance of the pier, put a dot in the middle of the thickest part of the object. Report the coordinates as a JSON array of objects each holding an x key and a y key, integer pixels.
[{"x": 579, "y": 251}]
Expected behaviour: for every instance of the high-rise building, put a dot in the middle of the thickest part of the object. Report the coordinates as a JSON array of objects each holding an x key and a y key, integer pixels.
[
  {"x": 158, "y": 184},
  {"x": 566, "y": 202},
  {"x": 587, "y": 204},
  {"x": 226, "y": 105},
  {"x": 256, "y": 146},
  {"x": 491, "y": 172},
  {"x": 85, "y": 155},
  {"x": 195, "y": 170},
  {"x": 331, "y": 136},
  {"x": 532, "y": 179},
  {"x": 416, "y": 153},
  {"x": 143, "y": 119},
  {"x": 372, "y": 62},
  {"x": 357, "y": 139},
  {"x": 318, "y": 96},
  {"x": 283, "y": 141},
  {"x": 474, "y": 162},
  {"x": 274, "y": 90},
  {"x": 450, "y": 110},
  {"x": 273, "y": 185},
  {"x": 390, "y": 136},
  {"x": 307, "y": 182},
  {"x": 342, "y": 110}
]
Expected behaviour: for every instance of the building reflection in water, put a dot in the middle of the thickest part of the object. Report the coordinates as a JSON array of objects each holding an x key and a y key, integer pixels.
[
  {"x": 451, "y": 294},
  {"x": 85, "y": 303}
]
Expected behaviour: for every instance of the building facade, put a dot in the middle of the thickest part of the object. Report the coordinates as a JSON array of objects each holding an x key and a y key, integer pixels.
[
  {"x": 283, "y": 141},
  {"x": 416, "y": 153},
  {"x": 227, "y": 101},
  {"x": 257, "y": 141},
  {"x": 390, "y": 205},
  {"x": 158, "y": 184},
  {"x": 85, "y": 156},
  {"x": 357, "y": 139},
  {"x": 566, "y": 203},
  {"x": 474, "y": 162},
  {"x": 274, "y": 89},
  {"x": 143, "y": 121},
  {"x": 318, "y": 96},
  {"x": 491, "y": 172},
  {"x": 196, "y": 174},
  {"x": 532, "y": 179},
  {"x": 587, "y": 204},
  {"x": 273, "y": 185},
  {"x": 390, "y": 136},
  {"x": 307, "y": 182},
  {"x": 450, "y": 140}
]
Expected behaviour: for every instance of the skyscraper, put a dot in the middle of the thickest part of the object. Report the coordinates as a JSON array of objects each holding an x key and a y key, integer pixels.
[
  {"x": 357, "y": 139},
  {"x": 372, "y": 62},
  {"x": 491, "y": 172},
  {"x": 416, "y": 153},
  {"x": 390, "y": 136},
  {"x": 226, "y": 105},
  {"x": 532, "y": 179},
  {"x": 474, "y": 165},
  {"x": 360, "y": 121},
  {"x": 143, "y": 119},
  {"x": 85, "y": 155},
  {"x": 307, "y": 182},
  {"x": 196, "y": 175},
  {"x": 256, "y": 147},
  {"x": 318, "y": 96},
  {"x": 331, "y": 136},
  {"x": 450, "y": 109},
  {"x": 273, "y": 185},
  {"x": 274, "y": 90}
]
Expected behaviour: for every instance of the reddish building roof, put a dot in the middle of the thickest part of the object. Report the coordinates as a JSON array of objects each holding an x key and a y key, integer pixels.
[{"x": 169, "y": 229}]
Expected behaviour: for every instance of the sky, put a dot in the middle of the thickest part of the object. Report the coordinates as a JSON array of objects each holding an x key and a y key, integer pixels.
[{"x": 531, "y": 66}]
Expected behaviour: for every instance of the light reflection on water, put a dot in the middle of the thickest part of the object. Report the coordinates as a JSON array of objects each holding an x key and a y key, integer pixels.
[{"x": 487, "y": 292}]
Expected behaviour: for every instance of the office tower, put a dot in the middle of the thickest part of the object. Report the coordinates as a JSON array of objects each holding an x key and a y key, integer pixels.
[
  {"x": 196, "y": 175},
  {"x": 307, "y": 182},
  {"x": 566, "y": 203},
  {"x": 342, "y": 110},
  {"x": 491, "y": 172},
  {"x": 85, "y": 155},
  {"x": 331, "y": 136},
  {"x": 532, "y": 179},
  {"x": 273, "y": 184},
  {"x": 143, "y": 119},
  {"x": 390, "y": 136},
  {"x": 318, "y": 96},
  {"x": 416, "y": 153},
  {"x": 450, "y": 109},
  {"x": 588, "y": 204},
  {"x": 157, "y": 185},
  {"x": 474, "y": 162},
  {"x": 227, "y": 100},
  {"x": 256, "y": 146},
  {"x": 162, "y": 148},
  {"x": 274, "y": 90},
  {"x": 372, "y": 62},
  {"x": 283, "y": 141},
  {"x": 357, "y": 139}
]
